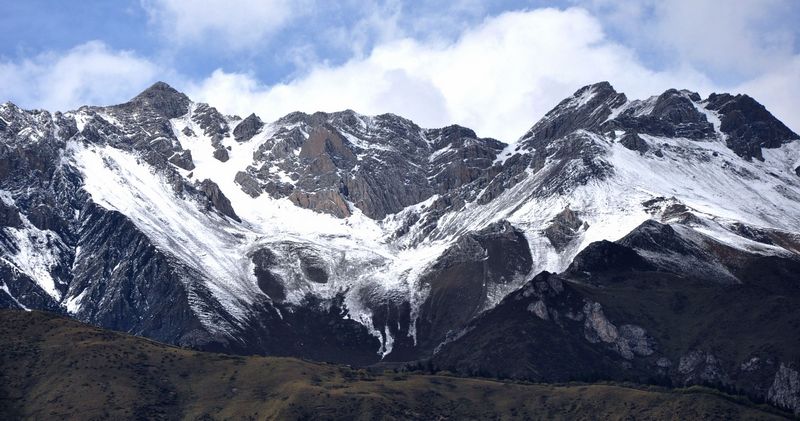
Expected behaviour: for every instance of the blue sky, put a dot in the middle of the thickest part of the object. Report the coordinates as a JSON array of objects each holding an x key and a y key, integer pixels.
[{"x": 494, "y": 66}]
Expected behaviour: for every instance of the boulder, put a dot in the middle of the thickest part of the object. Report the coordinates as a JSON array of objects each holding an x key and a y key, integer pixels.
[
  {"x": 218, "y": 199},
  {"x": 248, "y": 128},
  {"x": 183, "y": 160}
]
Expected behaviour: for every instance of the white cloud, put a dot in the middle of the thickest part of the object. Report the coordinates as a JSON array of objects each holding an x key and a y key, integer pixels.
[
  {"x": 497, "y": 78},
  {"x": 90, "y": 73},
  {"x": 234, "y": 24},
  {"x": 729, "y": 40}
]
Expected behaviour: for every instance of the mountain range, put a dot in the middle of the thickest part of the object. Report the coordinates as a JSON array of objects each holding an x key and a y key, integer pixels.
[{"x": 653, "y": 240}]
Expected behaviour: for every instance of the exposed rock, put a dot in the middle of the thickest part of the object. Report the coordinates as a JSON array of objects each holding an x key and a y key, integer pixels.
[
  {"x": 597, "y": 328},
  {"x": 162, "y": 99},
  {"x": 785, "y": 389},
  {"x": 462, "y": 279},
  {"x": 634, "y": 142},
  {"x": 698, "y": 366},
  {"x": 313, "y": 266},
  {"x": 188, "y": 131},
  {"x": 564, "y": 228},
  {"x": 248, "y": 128},
  {"x": 128, "y": 284},
  {"x": 797, "y": 170},
  {"x": 603, "y": 256},
  {"x": 633, "y": 340},
  {"x": 221, "y": 154},
  {"x": 749, "y": 125},
  {"x": 671, "y": 114},
  {"x": 218, "y": 199},
  {"x": 325, "y": 201},
  {"x": 9, "y": 215},
  {"x": 211, "y": 121},
  {"x": 680, "y": 252},
  {"x": 585, "y": 109},
  {"x": 183, "y": 160},
  {"x": 269, "y": 283},
  {"x": 248, "y": 183},
  {"x": 539, "y": 308},
  {"x": 676, "y": 108}
]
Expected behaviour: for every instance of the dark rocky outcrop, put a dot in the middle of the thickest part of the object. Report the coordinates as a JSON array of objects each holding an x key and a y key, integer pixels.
[
  {"x": 269, "y": 283},
  {"x": 217, "y": 199},
  {"x": 325, "y": 201},
  {"x": 678, "y": 109},
  {"x": 9, "y": 216},
  {"x": 604, "y": 256},
  {"x": 210, "y": 120},
  {"x": 586, "y": 109},
  {"x": 221, "y": 154},
  {"x": 183, "y": 160},
  {"x": 620, "y": 314},
  {"x": 634, "y": 142},
  {"x": 380, "y": 164},
  {"x": 564, "y": 228},
  {"x": 23, "y": 292},
  {"x": 128, "y": 284},
  {"x": 162, "y": 99},
  {"x": 672, "y": 114},
  {"x": 249, "y": 183},
  {"x": 248, "y": 128},
  {"x": 748, "y": 124},
  {"x": 463, "y": 278}
]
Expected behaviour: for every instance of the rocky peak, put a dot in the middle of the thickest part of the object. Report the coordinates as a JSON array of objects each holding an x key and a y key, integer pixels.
[
  {"x": 674, "y": 113},
  {"x": 161, "y": 99},
  {"x": 248, "y": 128},
  {"x": 587, "y": 108},
  {"x": 748, "y": 125}
]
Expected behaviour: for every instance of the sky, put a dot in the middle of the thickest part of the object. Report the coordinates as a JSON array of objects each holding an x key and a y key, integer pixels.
[{"x": 494, "y": 66}]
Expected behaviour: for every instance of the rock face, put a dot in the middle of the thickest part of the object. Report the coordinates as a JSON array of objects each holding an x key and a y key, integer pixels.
[
  {"x": 749, "y": 126},
  {"x": 589, "y": 107},
  {"x": 633, "y": 142},
  {"x": 785, "y": 390},
  {"x": 218, "y": 199},
  {"x": 604, "y": 256},
  {"x": 323, "y": 201},
  {"x": 380, "y": 164},
  {"x": 132, "y": 271},
  {"x": 221, "y": 154},
  {"x": 9, "y": 216},
  {"x": 601, "y": 331},
  {"x": 249, "y": 183},
  {"x": 183, "y": 160},
  {"x": 564, "y": 228},
  {"x": 248, "y": 128},
  {"x": 466, "y": 278},
  {"x": 161, "y": 99}
]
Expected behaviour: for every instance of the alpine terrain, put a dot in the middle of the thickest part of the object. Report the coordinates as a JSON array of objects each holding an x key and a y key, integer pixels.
[{"x": 650, "y": 240}]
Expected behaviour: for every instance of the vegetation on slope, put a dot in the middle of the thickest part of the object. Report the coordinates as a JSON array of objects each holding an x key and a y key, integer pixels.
[{"x": 56, "y": 368}]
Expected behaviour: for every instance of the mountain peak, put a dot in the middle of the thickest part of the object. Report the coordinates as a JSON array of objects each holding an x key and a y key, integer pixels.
[
  {"x": 748, "y": 124},
  {"x": 162, "y": 99},
  {"x": 587, "y": 107}
]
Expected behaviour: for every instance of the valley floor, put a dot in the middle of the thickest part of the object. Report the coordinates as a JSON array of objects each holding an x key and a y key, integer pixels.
[{"x": 56, "y": 368}]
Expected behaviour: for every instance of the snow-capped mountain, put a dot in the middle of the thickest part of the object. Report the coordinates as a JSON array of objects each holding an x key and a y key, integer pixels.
[{"x": 353, "y": 238}]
